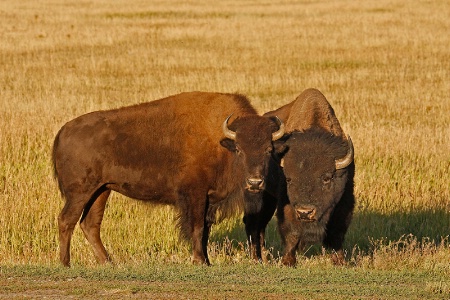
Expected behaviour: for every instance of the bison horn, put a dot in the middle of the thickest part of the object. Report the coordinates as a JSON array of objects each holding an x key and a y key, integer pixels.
[
  {"x": 347, "y": 160},
  {"x": 278, "y": 134},
  {"x": 227, "y": 132}
]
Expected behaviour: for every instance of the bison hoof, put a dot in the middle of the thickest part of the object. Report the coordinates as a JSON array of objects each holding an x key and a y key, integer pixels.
[
  {"x": 338, "y": 259},
  {"x": 289, "y": 260},
  {"x": 200, "y": 261}
]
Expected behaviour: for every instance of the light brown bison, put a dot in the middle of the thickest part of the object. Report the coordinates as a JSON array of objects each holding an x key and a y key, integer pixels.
[
  {"x": 317, "y": 177},
  {"x": 178, "y": 150}
]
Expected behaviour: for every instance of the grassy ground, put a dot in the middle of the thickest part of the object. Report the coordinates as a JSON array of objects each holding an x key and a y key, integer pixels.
[
  {"x": 384, "y": 66},
  {"x": 240, "y": 281}
]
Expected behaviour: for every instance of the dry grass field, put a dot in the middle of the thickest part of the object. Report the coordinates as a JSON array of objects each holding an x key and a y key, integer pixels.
[{"x": 383, "y": 65}]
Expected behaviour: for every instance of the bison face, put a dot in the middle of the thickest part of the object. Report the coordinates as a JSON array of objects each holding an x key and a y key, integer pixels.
[
  {"x": 316, "y": 175},
  {"x": 251, "y": 139}
]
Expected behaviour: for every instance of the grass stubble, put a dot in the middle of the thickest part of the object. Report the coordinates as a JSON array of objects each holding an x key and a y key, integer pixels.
[{"x": 384, "y": 66}]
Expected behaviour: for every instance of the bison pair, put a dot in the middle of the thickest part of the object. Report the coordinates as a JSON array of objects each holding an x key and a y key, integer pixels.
[{"x": 174, "y": 151}]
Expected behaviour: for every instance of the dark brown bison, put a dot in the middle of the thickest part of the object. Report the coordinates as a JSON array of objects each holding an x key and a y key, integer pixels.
[
  {"x": 318, "y": 172},
  {"x": 179, "y": 150}
]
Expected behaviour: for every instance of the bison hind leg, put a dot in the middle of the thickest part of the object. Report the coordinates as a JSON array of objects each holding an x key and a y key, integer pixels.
[
  {"x": 67, "y": 219},
  {"x": 66, "y": 225},
  {"x": 91, "y": 221}
]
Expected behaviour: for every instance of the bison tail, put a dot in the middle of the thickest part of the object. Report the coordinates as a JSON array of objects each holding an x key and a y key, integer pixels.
[{"x": 55, "y": 170}]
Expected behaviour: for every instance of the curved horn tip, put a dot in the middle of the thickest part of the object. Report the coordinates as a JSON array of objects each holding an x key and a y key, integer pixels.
[
  {"x": 226, "y": 131},
  {"x": 280, "y": 132},
  {"x": 348, "y": 159}
]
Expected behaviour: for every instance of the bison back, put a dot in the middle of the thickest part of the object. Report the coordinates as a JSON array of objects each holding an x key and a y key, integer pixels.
[{"x": 147, "y": 151}]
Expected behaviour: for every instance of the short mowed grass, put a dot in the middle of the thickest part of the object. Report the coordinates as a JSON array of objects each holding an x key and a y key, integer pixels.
[{"x": 383, "y": 65}]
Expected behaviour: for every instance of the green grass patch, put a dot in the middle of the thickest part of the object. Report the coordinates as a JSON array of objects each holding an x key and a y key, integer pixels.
[{"x": 249, "y": 281}]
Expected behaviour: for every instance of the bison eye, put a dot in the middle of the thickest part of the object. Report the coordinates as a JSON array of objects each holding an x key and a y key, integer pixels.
[
  {"x": 288, "y": 180},
  {"x": 327, "y": 178},
  {"x": 269, "y": 150}
]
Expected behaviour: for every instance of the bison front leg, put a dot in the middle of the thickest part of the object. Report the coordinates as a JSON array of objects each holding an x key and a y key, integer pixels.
[
  {"x": 193, "y": 225},
  {"x": 335, "y": 243},
  {"x": 265, "y": 215},
  {"x": 337, "y": 226},
  {"x": 90, "y": 224},
  {"x": 338, "y": 258},
  {"x": 291, "y": 244},
  {"x": 200, "y": 244},
  {"x": 253, "y": 235},
  {"x": 289, "y": 235},
  {"x": 256, "y": 218}
]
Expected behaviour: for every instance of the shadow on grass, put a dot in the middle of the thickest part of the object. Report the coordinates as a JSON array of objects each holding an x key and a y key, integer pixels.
[
  {"x": 366, "y": 231},
  {"x": 235, "y": 234},
  {"x": 423, "y": 224}
]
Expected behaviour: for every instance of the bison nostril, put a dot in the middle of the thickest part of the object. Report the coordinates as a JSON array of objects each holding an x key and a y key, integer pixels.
[
  {"x": 255, "y": 183},
  {"x": 306, "y": 213}
]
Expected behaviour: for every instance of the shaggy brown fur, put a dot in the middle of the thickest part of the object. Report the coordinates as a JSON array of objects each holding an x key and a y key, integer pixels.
[
  {"x": 315, "y": 197},
  {"x": 170, "y": 151}
]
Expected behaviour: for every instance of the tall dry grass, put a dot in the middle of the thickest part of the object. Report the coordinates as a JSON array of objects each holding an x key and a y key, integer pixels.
[{"x": 384, "y": 66}]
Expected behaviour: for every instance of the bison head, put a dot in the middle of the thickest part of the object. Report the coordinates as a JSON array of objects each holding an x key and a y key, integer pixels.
[
  {"x": 252, "y": 139},
  {"x": 315, "y": 167}
]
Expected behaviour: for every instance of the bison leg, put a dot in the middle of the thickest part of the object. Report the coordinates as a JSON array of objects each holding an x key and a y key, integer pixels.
[
  {"x": 338, "y": 258},
  {"x": 200, "y": 234},
  {"x": 200, "y": 237},
  {"x": 255, "y": 229},
  {"x": 255, "y": 226},
  {"x": 290, "y": 251},
  {"x": 90, "y": 224},
  {"x": 266, "y": 214},
  {"x": 67, "y": 220},
  {"x": 289, "y": 234},
  {"x": 334, "y": 241},
  {"x": 205, "y": 237},
  {"x": 193, "y": 208},
  {"x": 254, "y": 238},
  {"x": 337, "y": 227}
]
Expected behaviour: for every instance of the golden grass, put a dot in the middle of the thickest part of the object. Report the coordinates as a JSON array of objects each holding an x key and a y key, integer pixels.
[{"x": 383, "y": 65}]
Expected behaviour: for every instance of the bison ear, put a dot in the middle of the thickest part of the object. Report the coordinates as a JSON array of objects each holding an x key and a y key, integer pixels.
[
  {"x": 229, "y": 144},
  {"x": 281, "y": 146},
  {"x": 280, "y": 149},
  {"x": 280, "y": 152}
]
